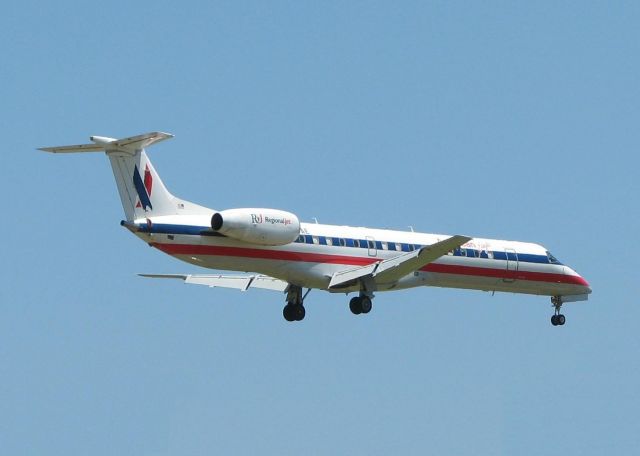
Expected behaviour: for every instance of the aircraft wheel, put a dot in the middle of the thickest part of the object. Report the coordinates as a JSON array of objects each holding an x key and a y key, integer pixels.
[
  {"x": 288, "y": 313},
  {"x": 554, "y": 320},
  {"x": 355, "y": 305},
  {"x": 365, "y": 304},
  {"x": 294, "y": 312},
  {"x": 560, "y": 319}
]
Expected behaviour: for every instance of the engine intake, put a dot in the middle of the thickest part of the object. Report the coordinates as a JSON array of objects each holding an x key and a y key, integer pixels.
[{"x": 257, "y": 225}]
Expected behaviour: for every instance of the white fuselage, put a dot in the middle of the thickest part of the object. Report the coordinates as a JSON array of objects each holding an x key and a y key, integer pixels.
[
  {"x": 322, "y": 250},
  {"x": 288, "y": 255}
]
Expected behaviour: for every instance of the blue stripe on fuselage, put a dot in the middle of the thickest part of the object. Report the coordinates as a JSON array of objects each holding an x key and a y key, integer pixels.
[{"x": 166, "y": 228}]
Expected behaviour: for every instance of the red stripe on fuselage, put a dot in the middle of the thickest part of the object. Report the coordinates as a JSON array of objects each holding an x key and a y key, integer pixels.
[
  {"x": 241, "y": 252},
  {"x": 504, "y": 274},
  {"x": 186, "y": 249}
]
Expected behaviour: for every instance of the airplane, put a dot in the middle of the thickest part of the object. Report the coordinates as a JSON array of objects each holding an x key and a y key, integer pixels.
[{"x": 276, "y": 251}]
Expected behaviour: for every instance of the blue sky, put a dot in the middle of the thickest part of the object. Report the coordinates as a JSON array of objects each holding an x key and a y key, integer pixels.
[{"x": 508, "y": 120}]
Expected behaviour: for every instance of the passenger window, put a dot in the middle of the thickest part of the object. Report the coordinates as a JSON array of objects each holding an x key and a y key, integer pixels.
[
  {"x": 371, "y": 244},
  {"x": 385, "y": 246},
  {"x": 342, "y": 242},
  {"x": 315, "y": 240},
  {"x": 329, "y": 241},
  {"x": 356, "y": 243}
]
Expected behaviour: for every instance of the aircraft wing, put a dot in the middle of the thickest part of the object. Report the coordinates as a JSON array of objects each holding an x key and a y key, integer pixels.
[
  {"x": 397, "y": 267},
  {"x": 239, "y": 282}
]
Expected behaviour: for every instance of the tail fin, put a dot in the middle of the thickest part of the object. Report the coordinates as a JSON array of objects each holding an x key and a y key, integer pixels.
[{"x": 141, "y": 190}]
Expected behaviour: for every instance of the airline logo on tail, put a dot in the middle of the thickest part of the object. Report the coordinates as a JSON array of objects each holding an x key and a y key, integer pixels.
[{"x": 143, "y": 187}]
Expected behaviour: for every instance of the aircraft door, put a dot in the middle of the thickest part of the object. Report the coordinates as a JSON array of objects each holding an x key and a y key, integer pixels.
[
  {"x": 371, "y": 246},
  {"x": 512, "y": 265}
]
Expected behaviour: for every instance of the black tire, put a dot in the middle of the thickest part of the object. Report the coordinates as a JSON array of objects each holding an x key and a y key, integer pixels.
[
  {"x": 561, "y": 319},
  {"x": 299, "y": 312},
  {"x": 366, "y": 304},
  {"x": 355, "y": 305},
  {"x": 288, "y": 313},
  {"x": 554, "y": 320}
]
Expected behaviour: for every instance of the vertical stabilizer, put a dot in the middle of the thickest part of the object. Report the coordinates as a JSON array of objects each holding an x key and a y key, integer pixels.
[{"x": 141, "y": 190}]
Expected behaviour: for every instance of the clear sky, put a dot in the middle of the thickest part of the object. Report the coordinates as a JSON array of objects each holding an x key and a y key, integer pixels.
[{"x": 515, "y": 120}]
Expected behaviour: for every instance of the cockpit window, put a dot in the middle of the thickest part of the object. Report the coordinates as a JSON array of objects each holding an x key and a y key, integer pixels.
[{"x": 552, "y": 259}]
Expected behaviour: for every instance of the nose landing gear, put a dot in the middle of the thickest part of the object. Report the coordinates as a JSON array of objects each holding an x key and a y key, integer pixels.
[{"x": 557, "y": 319}]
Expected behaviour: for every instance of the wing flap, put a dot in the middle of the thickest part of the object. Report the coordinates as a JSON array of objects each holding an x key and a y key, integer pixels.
[{"x": 344, "y": 277}]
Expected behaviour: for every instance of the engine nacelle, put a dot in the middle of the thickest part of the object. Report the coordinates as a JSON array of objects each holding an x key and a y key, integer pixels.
[{"x": 257, "y": 226}]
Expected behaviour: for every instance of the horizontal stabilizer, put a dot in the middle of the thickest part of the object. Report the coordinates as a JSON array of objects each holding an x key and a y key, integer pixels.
[
  {"x": 138, "y": 142},
  {"x": 101, "y": 143},
  {"x": 397, "y": 267},
  {"x": 240, "y": 282},
  {"x": 74, "y": 149}
]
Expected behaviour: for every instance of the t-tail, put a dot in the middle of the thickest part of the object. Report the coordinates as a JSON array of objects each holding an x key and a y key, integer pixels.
[{"x": 142, "y": 192}]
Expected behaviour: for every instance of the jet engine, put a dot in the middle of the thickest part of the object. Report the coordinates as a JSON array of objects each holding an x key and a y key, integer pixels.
[{"x": 257, "y": 226}]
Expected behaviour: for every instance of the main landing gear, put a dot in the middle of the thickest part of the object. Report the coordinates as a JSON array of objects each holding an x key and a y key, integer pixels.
[
  {"x": 360, "y": 305},
  {"x": 294, "y": 310},
  {"x": 557, "y": 319}
]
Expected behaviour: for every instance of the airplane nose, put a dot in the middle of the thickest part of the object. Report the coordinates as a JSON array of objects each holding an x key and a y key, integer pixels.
[
  {"x": 585, "y": 284},
  {"x": 578, "y": 280}
]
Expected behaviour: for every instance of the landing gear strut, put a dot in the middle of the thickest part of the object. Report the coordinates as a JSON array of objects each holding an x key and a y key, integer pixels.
[
  {"x": 557, "y": 319},
  {"x": 294, "y": 310}
]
